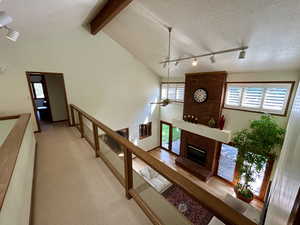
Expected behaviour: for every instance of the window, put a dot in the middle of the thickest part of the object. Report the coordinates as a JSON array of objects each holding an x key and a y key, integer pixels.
[
  {"x": 145, "y": 130},
  {"x": 259, "y": 97},
  {"x": 176, "y": 91},
  {"x": 38, "y": 90}
]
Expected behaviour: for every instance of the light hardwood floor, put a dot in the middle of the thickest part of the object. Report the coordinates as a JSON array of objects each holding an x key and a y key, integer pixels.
[{"x": 215, "y": 185}]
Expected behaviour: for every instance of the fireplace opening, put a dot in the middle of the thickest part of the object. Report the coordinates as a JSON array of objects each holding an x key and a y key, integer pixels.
[{"x": 196, "y": 154}]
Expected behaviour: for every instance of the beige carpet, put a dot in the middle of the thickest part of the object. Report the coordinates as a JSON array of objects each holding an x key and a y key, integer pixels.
[{"x": 74, "y": 188}]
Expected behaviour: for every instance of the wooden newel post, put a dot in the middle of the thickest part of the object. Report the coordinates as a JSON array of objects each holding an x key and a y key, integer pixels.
[
  {"x": 96, "y": 140},
  {"x": 73, "y": 116},
  {"x": 81, "y": 124},
  {"x": 128, "y": 172}
]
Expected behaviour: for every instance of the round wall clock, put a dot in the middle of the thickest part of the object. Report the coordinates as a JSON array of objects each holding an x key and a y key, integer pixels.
[{"x": 200, "y": 95}]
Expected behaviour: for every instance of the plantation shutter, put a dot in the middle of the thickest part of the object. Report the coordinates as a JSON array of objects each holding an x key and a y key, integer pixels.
[
  {"x": 234, "y": 95},
  {"x": 180, "y": 92},
  {"x": 275, "y": 98},
  {"x": 252, "y": 97}
]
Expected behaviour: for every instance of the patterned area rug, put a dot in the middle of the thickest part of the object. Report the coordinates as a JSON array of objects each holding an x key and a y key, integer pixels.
[{"x": 189, "y": 207}]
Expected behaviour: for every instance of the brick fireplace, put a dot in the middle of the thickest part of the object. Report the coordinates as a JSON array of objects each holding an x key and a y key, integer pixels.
[{"x": 198, "y": 154}]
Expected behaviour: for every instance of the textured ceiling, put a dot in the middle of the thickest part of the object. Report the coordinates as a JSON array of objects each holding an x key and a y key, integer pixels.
[
  {"x": 38, "y": 19},
  {"x": 271, "y": 29}
]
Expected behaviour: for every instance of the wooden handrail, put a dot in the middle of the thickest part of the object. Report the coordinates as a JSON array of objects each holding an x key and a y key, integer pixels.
[
  {"x": 224, "y": 212},
  {"x": 9, "y": 151}
]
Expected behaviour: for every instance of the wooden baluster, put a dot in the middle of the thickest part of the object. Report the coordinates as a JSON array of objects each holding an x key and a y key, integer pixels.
[
  {"x": 128, "y": 172},
  {"x": 81, "y": 124},
  {"x": 96, "y": 140},
  {"x": 73, "y": 116}
]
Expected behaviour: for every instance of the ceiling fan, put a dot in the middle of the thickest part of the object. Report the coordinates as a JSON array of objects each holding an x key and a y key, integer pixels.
[{"x": 167, "y": 101}]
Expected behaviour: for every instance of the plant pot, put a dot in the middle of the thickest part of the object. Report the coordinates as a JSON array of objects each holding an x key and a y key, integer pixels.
[{"x": 242, "y": 197}]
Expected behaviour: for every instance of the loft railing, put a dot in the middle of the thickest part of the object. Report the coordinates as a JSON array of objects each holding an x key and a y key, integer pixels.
[{"x": 215, "y": 205}]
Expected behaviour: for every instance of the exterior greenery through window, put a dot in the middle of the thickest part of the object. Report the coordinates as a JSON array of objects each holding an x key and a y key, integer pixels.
[
  {"x": 170, "y": 137},
  {"x": 176, "y": 91},
  {"x": 259, "y": 97}
]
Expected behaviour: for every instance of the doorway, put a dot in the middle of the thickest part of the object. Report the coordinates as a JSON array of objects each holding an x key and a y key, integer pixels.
[
  {"x": 170, "y": 137},
  {"x": 49, "y": 99}
]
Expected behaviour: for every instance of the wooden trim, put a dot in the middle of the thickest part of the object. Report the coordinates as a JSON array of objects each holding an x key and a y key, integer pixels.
[
  {"x": 96, "y": 140},
  {"x": 128, "y": 172},
  {"x": 60, "y": 121},
  {"x": 9, "y": 117},
  {"x": 218, "y": 207},
  {"x": 72, "y": 116},
  {"x": 173, "y": 82},
  {"x": 294, "y": 218},
  {"x": 32, "y": 101},
  {"x": 81, "y": 124},
  {"x": 145, "y": 207},
  {"x": 32, "y": 202},
  {"x": 244, "y": 110},
  {"x": 259, "y": 82},
  {"x": 110, "y": 10},
  {"x": 265, "y": 183},
  {"x": 9, "y": 152},
  {"x": 262, "y": 82}
]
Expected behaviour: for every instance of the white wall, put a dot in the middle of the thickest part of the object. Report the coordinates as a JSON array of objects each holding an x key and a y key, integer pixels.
[
  {"x": 56, "y": 95},
  {"x": 287, "y": 178},
  {"x": 100, "y": 76},
  {"x": 17, "y": 203},
  {"x": 236, "y": 120}
]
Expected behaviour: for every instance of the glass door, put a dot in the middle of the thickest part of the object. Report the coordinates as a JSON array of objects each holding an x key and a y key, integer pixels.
[
  {"x": 170, "y": 137},
  {"x": 165, "y": 135},
  {"x": 176, "y": 135},
  {"x": 226, "y": 169}
]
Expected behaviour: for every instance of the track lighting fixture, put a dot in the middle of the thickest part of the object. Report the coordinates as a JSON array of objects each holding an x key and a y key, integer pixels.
[
  {"x": 212, "y": 59},
  {"x": 4, "y": 21},
  {"x": 176, "y": 63},
  {"x": 242, "y": 54},
  {"x": 195, "y": 62},
  {"x": 212, "y": 55}
]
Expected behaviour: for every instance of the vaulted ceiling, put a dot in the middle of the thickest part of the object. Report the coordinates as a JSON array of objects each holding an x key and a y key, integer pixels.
[{"x": 271, "y": 29}]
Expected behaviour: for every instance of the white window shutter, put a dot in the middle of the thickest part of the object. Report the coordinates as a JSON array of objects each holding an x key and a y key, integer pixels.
[
  {"x": 233, "y": 96},
  {"x": 252, "y": 97}
]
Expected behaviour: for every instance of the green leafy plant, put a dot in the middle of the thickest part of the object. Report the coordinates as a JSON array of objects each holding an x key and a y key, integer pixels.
[{"x": 256, "y": 146}]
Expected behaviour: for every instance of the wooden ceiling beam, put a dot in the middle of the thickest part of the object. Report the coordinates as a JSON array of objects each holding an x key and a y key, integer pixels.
[{"x": 110, "y": 10}]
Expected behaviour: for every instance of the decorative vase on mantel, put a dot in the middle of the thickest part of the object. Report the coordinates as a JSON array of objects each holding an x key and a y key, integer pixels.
[{"x": 222, "y": 122}]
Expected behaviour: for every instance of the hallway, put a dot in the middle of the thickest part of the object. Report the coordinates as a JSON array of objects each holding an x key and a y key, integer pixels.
[{"x": 72, "y": 187}]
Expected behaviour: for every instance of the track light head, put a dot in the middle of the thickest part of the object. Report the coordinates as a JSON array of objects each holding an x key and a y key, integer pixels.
[
  {"x": 12, "y": 34},
  {"x": 242, "y": 54},
  {"x": 176, "y": 63},
  {"x": 195, "y": 62},
  {"x": 212, "y": 59}
]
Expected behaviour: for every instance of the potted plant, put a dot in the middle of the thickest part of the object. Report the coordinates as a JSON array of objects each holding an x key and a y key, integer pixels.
[{"x": 256, "y": 146}]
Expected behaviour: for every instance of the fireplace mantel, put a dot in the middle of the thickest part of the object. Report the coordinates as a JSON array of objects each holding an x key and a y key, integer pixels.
[{"x": 205, "y": 131}]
